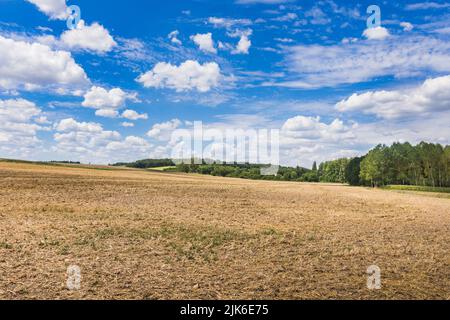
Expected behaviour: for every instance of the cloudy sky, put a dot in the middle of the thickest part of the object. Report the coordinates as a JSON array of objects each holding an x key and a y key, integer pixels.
[{"x": 131, "y": 72}]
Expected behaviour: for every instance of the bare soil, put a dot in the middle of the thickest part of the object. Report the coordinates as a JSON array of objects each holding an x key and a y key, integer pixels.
[{"x": 149, "y": 235}]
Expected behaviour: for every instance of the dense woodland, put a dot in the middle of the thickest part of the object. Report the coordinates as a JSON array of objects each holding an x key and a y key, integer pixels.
[
  {"x": 245, "y": 171},
  {"x": 147, "y": 164},
  {"x": 426, "y": 164}
]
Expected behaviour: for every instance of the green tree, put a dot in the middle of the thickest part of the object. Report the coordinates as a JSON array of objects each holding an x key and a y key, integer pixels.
[
  {"x": 353, "y": 170},
  {"x": 372, "y": 167}
]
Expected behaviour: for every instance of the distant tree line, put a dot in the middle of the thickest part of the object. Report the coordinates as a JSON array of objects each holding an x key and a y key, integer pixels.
[
  {"x": 66, "y": 162},
  {"x": 245, "y": 171},
  {"x": 147, "y": 163},
  {"x": 426, "y": 164}
]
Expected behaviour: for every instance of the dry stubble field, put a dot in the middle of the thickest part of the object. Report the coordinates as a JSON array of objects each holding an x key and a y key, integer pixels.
[{"x": 143, "y": 235}]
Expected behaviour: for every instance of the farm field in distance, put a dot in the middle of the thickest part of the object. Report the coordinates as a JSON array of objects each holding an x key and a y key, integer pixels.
[{"x": 137, "y": 234}]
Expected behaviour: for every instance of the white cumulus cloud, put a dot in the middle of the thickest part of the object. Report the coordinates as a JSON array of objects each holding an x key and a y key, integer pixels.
[
  {"x": 107, "y": 113},
  {"x": 173, "y": 36},
  {"x": 19, "y": 124},
  {"x": 89, "y": 141},
  {"x": 133, "y": 115},
  {"x": 130, "y": 143},
  {"x": 101, "y": 98},
  {"x": 205, "y": 42},
  {"x": 162, "y": 131},
  {"x": 55, "y": 9},
  {"x": 70, "y": 124},
  {"x": 312, "y": 128},
  {"x": 30, "y": 66},
  {"x": 92, "y": 37},
  {"x": 126, "y": 124},
  {"x": 432, "y": 96},
  {"x": 407, "y": 26},
  {"x": 378, "y": 33},
  {"x": 244, "y": 43},
  {"x": 190, "y": 75}
]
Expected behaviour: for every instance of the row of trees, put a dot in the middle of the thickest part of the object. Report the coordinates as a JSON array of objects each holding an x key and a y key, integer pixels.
[
  {"x": 333, "y": 171},
  {"x": 147, "y": 163},
  {"x": 245, "y": 171},
  {"x": 426, "y": 164}
]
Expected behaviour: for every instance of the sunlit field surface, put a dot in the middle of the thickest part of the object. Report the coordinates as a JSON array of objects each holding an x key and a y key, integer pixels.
[{"x": 149, "y": 235}]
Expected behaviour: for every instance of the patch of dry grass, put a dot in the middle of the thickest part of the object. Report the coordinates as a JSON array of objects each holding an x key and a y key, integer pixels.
[{"x": 144, "y": 235}]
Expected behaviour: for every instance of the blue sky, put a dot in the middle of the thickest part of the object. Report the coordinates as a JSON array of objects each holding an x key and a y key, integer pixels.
[{"x": 114, "y": 88}]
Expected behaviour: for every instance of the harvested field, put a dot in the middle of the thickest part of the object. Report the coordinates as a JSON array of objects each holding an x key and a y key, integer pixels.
[{"x": 149, "y": 235}]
